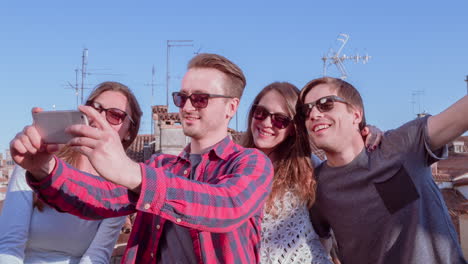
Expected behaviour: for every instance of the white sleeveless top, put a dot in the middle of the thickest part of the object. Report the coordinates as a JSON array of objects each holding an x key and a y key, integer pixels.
[{"x": 289, "y": 236}]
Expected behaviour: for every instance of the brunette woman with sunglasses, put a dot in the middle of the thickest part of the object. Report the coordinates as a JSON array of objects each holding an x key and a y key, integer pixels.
[
  {"x": 287, "y": 233},
  {"x": 33, "y": 232}
]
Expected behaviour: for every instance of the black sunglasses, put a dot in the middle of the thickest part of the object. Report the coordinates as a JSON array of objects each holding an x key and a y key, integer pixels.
[
  {"x": 114, "y": 116},
  {"x": 323, "y": 104},
  {"x": 198, "y": 100},
  {"x": 278, "y": 120}
]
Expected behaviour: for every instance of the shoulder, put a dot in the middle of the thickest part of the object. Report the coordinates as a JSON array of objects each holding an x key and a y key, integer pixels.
[
  {"x": 411, "y": 127},
  {"x": 18, "y": 180},
  {"x": 249, "y": 154}
]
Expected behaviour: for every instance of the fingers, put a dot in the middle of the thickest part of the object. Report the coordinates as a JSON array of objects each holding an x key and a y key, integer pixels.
[
  {"x": 377, "y": 140},
  {"x": 16, "y": 145},
  {"x": 26, "y": 141},
  {"x": 36, "y": 110},
  {"x": 94, "y": 115},
  {"x": 365, "y": 131},
  {"x": 83, "y": 150},
  {"x": 33, "y": 136},
  {"x": 83, "y": 142},
  {"x": 84, "y": 131},
  {"x": 373, "y": 138}
]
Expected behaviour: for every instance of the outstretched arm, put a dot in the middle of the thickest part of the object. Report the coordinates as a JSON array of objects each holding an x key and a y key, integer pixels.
[{"x": 449, "y": 124}]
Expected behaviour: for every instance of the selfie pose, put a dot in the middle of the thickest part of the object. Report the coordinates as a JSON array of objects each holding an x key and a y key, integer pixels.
[
  {"x": 203, "y": 206},
  {"x": 33, "y": 232}
]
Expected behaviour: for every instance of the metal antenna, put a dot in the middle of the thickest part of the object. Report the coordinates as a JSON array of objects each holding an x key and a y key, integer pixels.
[
  {"x": 416, "y": 98},
  {"x": 337, "y": 59},
  {"x": 169, "y": 45},
  {"x": 75, "y": 87},
  {"x": 84, "y": 73},
  {"x": 84, "y": 63},
  {"x": 466, "y": 80}
]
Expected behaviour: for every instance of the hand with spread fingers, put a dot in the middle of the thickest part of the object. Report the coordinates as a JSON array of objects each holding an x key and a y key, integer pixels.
[
  {"x": 28, "y": 150},
  {"x": 103, "y": 147}
]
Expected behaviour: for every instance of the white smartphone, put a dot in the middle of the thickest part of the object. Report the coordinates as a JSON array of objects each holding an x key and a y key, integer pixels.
[{"x": 51, "y": 125}]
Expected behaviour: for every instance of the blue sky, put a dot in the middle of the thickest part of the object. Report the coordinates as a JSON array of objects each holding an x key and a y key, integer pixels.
[{"x": 415, "y": 46}]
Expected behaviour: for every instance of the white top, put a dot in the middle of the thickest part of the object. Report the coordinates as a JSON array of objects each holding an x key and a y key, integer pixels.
[
  {"x": 289, "y": 236},
  {"x": 30, "y": 236}
]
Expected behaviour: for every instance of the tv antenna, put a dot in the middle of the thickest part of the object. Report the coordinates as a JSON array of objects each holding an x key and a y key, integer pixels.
[
  {"x": 335, "y": 57},
  {"x": 466, "y": 80},
  {"x": 417, "y": 98},
  {"x": 84, "y": 72},
  {"x": 171, "y": 44}
]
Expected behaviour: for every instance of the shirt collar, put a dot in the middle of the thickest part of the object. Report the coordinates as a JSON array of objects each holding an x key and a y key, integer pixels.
[{"x": 222, "y": 149}]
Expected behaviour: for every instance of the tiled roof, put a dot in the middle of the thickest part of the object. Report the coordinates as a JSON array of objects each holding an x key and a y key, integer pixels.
[
  {"x": 457, "y": 205},
  {"x": 456, "y": 165},
  {"x": 135, "y": 151}
]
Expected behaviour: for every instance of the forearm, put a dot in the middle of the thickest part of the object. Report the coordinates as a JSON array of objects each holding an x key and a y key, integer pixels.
[
  {"x": 84, "y": 195},
  {"x": 216, "y": 207},
  {"x": 449, "y": 124}
]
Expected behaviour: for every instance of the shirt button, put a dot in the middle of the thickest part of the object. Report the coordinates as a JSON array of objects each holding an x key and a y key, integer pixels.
[
  {"x": 158, "y": 227},
  {"x": 178, "y": 220},
  {"x": 185, "y": 171},
  {"x": 147, "y": 206},
  {"x": 152, "y": 255}
]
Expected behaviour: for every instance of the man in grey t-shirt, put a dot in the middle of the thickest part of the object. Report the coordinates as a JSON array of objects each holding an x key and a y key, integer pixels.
[{"x": 383, "y": 206}]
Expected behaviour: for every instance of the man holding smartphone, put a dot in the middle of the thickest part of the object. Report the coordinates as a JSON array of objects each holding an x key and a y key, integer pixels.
[{"x": 203, "y": 206}]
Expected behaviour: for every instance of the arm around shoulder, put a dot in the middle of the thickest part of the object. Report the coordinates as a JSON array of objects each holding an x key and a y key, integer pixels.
[{"x": 449, "y": 124}]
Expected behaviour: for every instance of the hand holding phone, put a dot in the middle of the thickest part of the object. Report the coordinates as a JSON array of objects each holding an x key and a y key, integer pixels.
[{"x": 51, "y": 125}]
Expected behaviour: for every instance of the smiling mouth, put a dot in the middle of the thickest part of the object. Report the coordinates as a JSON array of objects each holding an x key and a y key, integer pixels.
[
  {"x": 191, "y": 118},
  {"x": 320, "y": 127}
]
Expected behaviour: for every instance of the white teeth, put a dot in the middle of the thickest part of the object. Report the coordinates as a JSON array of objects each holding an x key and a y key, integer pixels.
[
  {"x": 264, "y": 133},
  {"x": 320, "y": 127}
]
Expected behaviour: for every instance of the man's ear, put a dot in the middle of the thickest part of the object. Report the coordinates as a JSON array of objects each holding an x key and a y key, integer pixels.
[
  {"x": 357, "y": 114},
  {"x": 232, "y": 107}
]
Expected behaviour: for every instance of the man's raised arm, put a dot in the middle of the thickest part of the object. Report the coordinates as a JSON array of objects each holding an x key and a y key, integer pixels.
[{"x": 449, "y": 124}]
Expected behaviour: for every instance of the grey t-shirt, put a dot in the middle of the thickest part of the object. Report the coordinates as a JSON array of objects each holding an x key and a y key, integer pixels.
[{"x": 384, "y": 206}]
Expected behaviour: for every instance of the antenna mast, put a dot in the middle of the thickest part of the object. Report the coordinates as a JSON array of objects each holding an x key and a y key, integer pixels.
[
  {"x": 337, "y": 59},
  {"x": 466, "y": 80},
  {"x": 169, "y": 45},
  {"x": 84, "y": 63}
]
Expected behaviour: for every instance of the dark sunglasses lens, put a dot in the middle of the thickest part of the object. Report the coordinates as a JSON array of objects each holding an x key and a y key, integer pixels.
[
  {"x": 260, "y": 113},
  {"x": 280, "y": 121},
  {"x": 199, "y": 100},
  {"x": 179, "y": 99},
  {"x": 325, "y": 104},
  {"x": 115, "y": 116}
]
